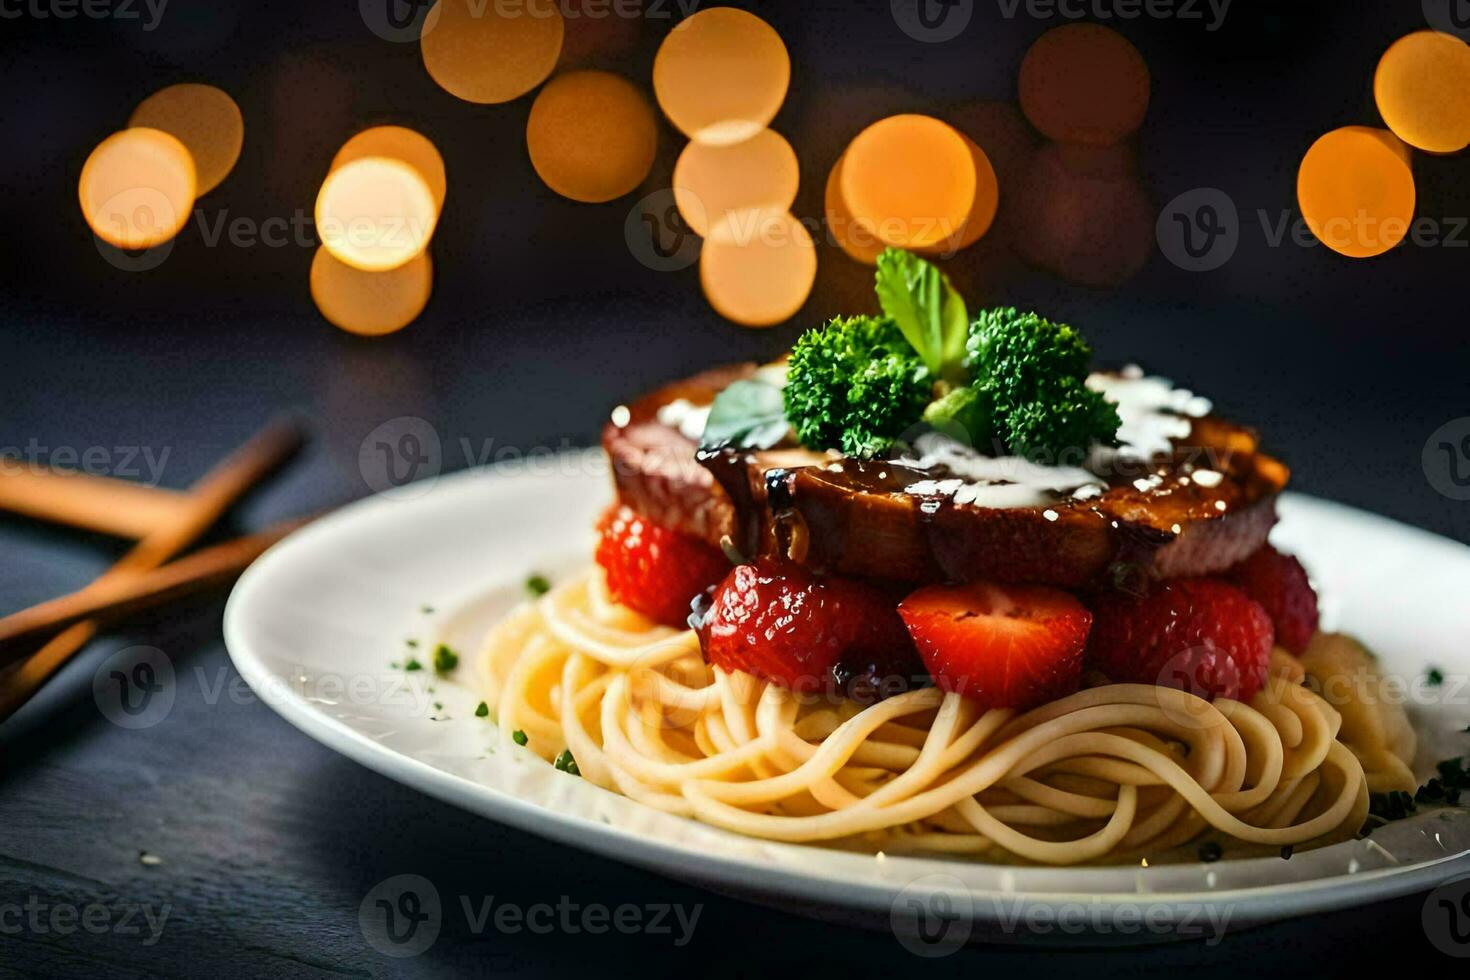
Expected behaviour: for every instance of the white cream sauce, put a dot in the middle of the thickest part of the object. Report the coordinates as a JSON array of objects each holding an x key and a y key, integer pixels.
[
  {"x": 1153, "y": 413},
  {"x": 689, "y": 418}
]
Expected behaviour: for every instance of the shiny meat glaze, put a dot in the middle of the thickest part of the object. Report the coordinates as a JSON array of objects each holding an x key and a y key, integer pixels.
[{"x": 863, "y": 518}]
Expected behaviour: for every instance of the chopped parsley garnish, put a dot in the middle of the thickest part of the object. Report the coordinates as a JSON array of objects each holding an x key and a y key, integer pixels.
[
  {"x": 1452, "y": 781},
  {"x": 445, "y": 659},
  {"x": 1434, "y": 677},
  {"x": 411, "y": 643},
  {"x": 566, "y": 763},
  {"x": 1445, "y": 789},
  {"x": 518, "y": 737},
  {"x": 483, "y": 711},
  {"x": 1210, "y": 851},
  {"x": 426, "y": 609},
  {"x": 413, "y": 664},
  {"x": 537, "y": 584}
]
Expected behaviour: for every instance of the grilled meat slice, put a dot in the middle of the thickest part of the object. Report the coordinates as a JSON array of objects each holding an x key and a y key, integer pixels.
[{"x": 1197, "y": 508}]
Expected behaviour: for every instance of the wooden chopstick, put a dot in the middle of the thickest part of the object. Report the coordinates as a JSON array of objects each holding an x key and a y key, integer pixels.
[
  {"x": 110, "y": 602},
  {"x": 84, "y": 500},
  {"x": 205, "y": 502}
]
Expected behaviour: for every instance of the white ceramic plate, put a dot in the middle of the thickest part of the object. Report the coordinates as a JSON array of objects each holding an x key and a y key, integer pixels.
[{"x": 315, "y": 625}]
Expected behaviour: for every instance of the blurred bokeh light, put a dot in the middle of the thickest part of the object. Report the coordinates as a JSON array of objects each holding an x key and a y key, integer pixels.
[
  {"x": 487, "y": 52},
  {"x": 709, "y": 181},
  {"x": 592, "y": 136},
  {"x": 375, "y": 213},
  {"x": 721, "y": 75},
  {"x": 982, "y": 208},
  {"x": 205, "y": 119},
  {"x": 857, "y": 240},
  {"x": 403, "y": 144},
  {"x": 1422, "y": 87},
  {"x": 137, "y": 188},
  {"x": 1085, "y": 216},
  {"x": 910, "y": 179},
  {"x": 757, "y": 267},
  {"x": 1356, "y": 190},
  {"x": 1084, "y": 83},
  {"x": 370, "y": 303}
]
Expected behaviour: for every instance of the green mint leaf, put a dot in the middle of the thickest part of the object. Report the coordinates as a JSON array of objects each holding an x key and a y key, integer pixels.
[
  {"x": 928, "y": 310},
  {"x": 746, "y": 415}
]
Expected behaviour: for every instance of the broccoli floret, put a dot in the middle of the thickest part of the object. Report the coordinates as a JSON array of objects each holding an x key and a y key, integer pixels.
[
  {"x": 1061, "y": 424},
  {"x": 967, "y": 415},
  {"x": 855, "y": 385},
  {"x": 1020, "y": 352},
  {"x": 1035, "y": 373}
]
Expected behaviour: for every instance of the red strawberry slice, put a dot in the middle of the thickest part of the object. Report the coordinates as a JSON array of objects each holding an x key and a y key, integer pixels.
[
  {"x": 777, "y": 620},
  {"x": 1279, "y": 583},
  {"x": 1005, "y": 646},
  {"x": 655, "y": 570},
  {"x": 1200, "y": 635}
]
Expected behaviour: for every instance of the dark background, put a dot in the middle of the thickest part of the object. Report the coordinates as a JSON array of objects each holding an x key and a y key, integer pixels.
[{"x": 541, "y": 320}]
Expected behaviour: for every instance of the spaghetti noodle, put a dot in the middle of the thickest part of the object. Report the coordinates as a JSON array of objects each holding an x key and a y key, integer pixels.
[{"x": 1112, "y": 773}]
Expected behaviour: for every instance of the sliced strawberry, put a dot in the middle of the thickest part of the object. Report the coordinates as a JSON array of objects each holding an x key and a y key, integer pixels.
[
  {"x": 1201, "y": 635},
  {"x": 653, "y": 569},
  {"x": 1279, "y": 583},
  {"x": 777, "y": 620},
  {"x": 1005, "y": 646}
]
